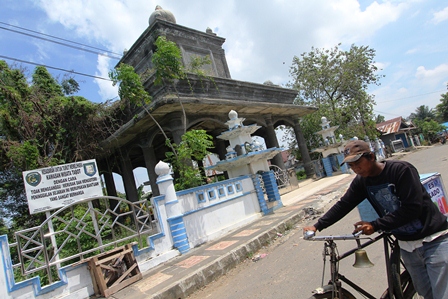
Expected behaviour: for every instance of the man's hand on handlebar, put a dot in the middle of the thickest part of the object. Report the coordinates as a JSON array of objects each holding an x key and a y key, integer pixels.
[
  {"x": 307, "y": 228},
  {"x": 309, "y": 232},
  {"x": 365, "y": 227}
]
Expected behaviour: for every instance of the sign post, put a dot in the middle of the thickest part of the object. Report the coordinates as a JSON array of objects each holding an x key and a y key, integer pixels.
[
  {"x": 58, "y": 186},
  {"x": 52, "y": 238}
]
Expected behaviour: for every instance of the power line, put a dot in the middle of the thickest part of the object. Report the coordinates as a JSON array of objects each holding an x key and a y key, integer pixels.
[
  {"x": 415, "y": 96},
  {"x": 55, "y": 68},
  {"x": 380, "y": 112},
  {"x": 62, "y": 44},
  {"x": 55, "y": 37}
]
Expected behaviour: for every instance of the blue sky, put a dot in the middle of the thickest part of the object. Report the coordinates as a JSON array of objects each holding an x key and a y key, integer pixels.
[{"x": 262, "y": 37}]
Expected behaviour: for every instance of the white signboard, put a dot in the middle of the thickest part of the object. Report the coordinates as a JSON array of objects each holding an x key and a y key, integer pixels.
[{"x": 57, "y": 186}]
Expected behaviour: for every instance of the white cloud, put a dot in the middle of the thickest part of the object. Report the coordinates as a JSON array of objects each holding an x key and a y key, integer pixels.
[
  {"x": 440, "y": 16},
  {"x": 402, "y": 90},
  {"x": 432, "y": 76},
  {"x": 412, "y": 51},
  {"x": 115, "y": 24},
  {"x": 106, "y": 90}
]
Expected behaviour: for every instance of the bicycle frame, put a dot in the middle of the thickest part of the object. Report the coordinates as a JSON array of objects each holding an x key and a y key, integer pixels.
[{"x": 330, "y": 249}]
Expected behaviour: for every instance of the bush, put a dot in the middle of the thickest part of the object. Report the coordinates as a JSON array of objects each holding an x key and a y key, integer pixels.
[{"x": 301, "y": 175}]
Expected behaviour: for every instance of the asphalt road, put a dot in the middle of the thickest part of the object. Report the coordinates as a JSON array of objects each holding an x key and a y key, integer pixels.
[{"x": 292, "y": 267}]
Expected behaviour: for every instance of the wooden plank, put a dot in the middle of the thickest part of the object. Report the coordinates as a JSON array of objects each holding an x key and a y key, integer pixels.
[
  {"x": 94, "y": 281},
  {"x": 99, "y": 277},
  {"x": 107, "y": 267},
  {"x": 124, "y": 275},
  {"x": 116, "y": 255}
]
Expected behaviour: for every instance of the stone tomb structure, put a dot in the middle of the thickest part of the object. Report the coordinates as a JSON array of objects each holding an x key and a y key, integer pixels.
[
  {"x": 331, "y": 147},
  {"x": 196, "y": 103}
]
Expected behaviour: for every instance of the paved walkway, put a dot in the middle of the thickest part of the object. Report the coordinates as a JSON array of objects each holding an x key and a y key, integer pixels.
[{"x": 183, "y": 275}]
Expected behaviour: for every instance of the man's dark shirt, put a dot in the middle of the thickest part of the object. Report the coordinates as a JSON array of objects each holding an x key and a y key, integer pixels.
[{"x": 399, "y": 198}]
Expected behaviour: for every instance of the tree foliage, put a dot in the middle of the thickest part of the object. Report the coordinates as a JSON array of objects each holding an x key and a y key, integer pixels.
[
  {"x": 429, "y": 128},
  {"x": 194, "y": 145},
  {"x": 422, "y": 113},
  {"x": 336, "y": 82},
  {"x": 379, "y": 119},
  {"x": 167, "y": 62},
  {"x": 41, "y": 127},
  {"x": 442, "y": 108},
  {"x": 130, "y": 86}
]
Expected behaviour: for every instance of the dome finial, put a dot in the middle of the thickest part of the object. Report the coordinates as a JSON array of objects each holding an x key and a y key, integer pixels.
[{"x": 161, "y": 14}]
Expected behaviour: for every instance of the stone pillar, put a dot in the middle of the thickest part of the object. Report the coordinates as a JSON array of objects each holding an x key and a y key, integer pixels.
[
  {"x": 221, "y": 148},
  {"x": 172, "y": 207},
  {"x": 301, "y": 142},
  {"x": 221, "y": 151},
  {"x": 128, "y": 179},
  {"x": 271, "y": 141},
  {"x": 177, "y": 135},
  {"x": 110, "y": 184},
  {"x": 110, "y": 187},
  {"x": 150, "y": 162},
  {"x": 175, "y": 126}
]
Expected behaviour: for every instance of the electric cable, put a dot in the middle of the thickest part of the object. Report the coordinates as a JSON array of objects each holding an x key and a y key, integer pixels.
[
  {"x": 55, "y": 37},
  {"x": 414, "y": 96},
  {"x": 62, "y": 44},
  {"x": 55, "y": 68}
]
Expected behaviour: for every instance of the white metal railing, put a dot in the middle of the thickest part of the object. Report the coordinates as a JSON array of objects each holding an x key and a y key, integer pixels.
[
  {"x": 281, "y": 176},
  {"x": 76, "y": 232}
]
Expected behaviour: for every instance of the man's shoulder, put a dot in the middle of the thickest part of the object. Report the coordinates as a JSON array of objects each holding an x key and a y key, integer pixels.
[
  {"x": 399, "y": 170},
  {"x": 398, "y": 164}
]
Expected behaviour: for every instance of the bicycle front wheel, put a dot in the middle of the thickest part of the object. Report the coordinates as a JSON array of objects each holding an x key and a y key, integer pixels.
[{"x": 330, "y": 295}]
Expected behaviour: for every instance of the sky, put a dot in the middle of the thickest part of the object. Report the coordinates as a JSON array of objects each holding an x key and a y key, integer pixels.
[{"x": 262, "y": 38}]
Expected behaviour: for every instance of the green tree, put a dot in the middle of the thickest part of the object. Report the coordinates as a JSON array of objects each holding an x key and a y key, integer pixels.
[
  {"x": 3, "y": 227},
  {"x": 336, "y": 82},
  {"x": 194, "y": 145},
  {"x": 422, "y": 113},
  {"x": 130, "y": 87},
  {"x": 379, "y": 119},
  {"x": 69, "y": 86},
  {"x": 442, "y": 108},
  {"x": 41, "y": 127},
  {"x": 429, "y": 128},
  {"x": 167, "y": 62}
]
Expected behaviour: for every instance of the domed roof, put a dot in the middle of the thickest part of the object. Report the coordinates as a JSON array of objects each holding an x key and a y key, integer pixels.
[{"x": 161, "y": 14}]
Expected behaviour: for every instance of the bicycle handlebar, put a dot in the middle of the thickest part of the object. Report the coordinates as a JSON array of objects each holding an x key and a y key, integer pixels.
[{"x": 311, "y": 236}]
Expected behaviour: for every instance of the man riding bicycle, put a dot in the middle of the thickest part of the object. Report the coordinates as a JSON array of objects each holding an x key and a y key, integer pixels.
[{"x": 405, "y": 209}]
